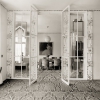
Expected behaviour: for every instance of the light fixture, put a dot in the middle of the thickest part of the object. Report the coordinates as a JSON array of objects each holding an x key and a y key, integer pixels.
[{"x": 47, "y": 39}]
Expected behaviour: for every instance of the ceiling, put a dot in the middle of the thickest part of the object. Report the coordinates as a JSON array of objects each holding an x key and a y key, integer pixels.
[{"x": 51, "y": 4}]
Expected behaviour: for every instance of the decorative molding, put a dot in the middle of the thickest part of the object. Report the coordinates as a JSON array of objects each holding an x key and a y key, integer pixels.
[
  {"x": 10, "y": 28},
  {"x": 89, "y": 44},
  {"x": 33, "y": 46},
  {"x": 53, "y": 10},
  {"x": 3, "y": 6},
  {"x": 49, "y": 33},
  {"x": 65, "y": 46}
]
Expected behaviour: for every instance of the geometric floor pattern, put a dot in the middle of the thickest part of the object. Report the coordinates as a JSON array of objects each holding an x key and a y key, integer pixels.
[{"x": 50, "y": 87}]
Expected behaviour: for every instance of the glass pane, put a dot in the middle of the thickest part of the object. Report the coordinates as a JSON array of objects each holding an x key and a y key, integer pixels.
[
  {"x": 22, "y": 21},
  {"x": 80, "y": 68},
  {"x": 25, "y": 67},
  {"x": 18, "y": 35},
  {"x": 80, "y": 46},
  {"x": 23, "y": 39},
  {"x": 73, "y": 26},
  {"x": 73, "y": 67},
  {"x": 25, "y": 46},
  {"x": 80, "y": 24},
  {"x": 80, "y": 28},
  {"x": 73, "y": 46},
  {"x": 26, "y": 23},
  {"x": 17, "y": 67},
  {"x": 18, "y": 50},
  {"x": 16, "y": 39}
]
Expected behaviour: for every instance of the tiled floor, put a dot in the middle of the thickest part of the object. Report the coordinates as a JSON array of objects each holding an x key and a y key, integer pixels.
[{"x": 50, "y": 87}]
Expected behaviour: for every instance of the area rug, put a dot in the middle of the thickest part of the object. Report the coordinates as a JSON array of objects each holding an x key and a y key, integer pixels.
[{"x": 50, "y": 87}]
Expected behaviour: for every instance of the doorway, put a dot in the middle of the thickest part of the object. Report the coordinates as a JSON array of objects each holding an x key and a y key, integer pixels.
[
  {"x": 21, "y": 45},
  {"x": 33, "y": 58},
  {"x": 25, "y": 45}
]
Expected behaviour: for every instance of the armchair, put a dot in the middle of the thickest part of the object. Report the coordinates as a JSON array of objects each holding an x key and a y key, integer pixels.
[{"x": 45, "y": 63}]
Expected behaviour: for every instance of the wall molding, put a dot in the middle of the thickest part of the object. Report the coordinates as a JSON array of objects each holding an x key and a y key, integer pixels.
[
  {"x": 3, "y": 6},
  {"x": 49, "y": 33},
  {"x": 51, "y": 10}
]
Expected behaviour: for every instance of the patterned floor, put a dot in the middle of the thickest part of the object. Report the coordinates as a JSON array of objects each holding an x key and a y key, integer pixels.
[{"x": 50, "y": 87}]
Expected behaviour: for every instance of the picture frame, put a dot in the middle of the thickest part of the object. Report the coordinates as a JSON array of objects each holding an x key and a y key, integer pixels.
[{"x": 46, "y": 48}]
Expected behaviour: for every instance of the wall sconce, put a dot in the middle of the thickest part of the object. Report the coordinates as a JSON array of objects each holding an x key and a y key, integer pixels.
[{"x": 47, "y": 39}]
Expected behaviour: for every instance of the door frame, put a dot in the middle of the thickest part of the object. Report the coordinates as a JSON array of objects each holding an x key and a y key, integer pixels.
[{"x": 67, "y": 56}]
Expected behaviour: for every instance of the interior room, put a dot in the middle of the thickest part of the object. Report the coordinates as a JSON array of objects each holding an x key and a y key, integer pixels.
[
  {"x": 49, "y": 27},
  {"x": 49, "y": 50}
]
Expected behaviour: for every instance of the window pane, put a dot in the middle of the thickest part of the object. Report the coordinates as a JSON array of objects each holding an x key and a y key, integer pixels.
[
  {"x": 73, "y": 46},
  {"x": 73, "y": 28},
  {"x": 80, "y": 68},
  {"x": 17, "y": 67},
  {"x": 80, "y": 24},
  {"x": 24, "y": 49},
  {"x": 17, "y": 49},
  {"x": 80, "y": 46},
  {"x": 23, "y": 39},
  {"x": 73, "y": 67},
  {"x": 25, "y": 67}
]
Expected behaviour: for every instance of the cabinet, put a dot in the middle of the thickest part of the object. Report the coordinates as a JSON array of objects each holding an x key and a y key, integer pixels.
[{"x": 3, "y": 42}]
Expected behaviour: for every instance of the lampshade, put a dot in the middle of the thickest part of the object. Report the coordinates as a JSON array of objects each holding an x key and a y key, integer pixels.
[{"x": 47, "y": 39}]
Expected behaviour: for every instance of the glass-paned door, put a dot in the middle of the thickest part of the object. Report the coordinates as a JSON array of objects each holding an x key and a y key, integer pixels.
[
  {"x": 65, "y": 45},
  {"x": 21, "y": 45},
  {"x": 77, "y": 45},
  {"x": 33, "y": 45}
]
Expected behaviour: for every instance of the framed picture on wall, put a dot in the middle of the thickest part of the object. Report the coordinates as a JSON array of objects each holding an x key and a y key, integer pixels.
[{"x": 45, "y": 48}]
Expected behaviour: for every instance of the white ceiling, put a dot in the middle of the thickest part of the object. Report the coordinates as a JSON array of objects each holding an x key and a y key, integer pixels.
[{"x": 51, "y": 4}]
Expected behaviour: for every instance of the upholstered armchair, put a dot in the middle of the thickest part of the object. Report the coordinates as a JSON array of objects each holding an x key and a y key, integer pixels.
[
  {"x": 45, "y": 63},
  {"x": 57, "y": 63}
]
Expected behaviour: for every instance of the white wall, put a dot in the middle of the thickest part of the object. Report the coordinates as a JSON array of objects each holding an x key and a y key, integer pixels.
[
  {"x": 50, "y": 19},
  {"x": 49, "y": 24},
  {"x": 3, "y": 39},
  {"x": 96, "y": 45}
]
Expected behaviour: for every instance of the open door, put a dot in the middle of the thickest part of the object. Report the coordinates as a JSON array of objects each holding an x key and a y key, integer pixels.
[
  {"x": 65, "y": 45},
  {"x": 33, "y": 45}
]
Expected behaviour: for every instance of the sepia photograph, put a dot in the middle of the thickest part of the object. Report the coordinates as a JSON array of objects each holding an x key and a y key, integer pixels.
[{"x": 49, "y": 49}]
